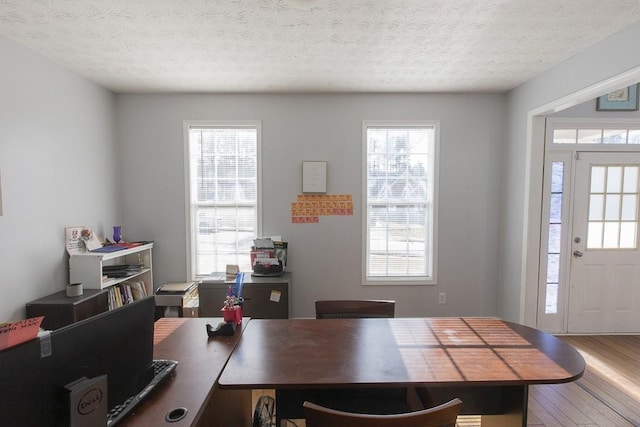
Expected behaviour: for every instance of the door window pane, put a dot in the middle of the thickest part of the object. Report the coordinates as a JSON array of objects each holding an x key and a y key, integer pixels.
[
  {"x": 611, "y": 233},
  {"x": 610, "y": 136},
  {"x": 629, "y": 207},
  {"x": 634, "y": 136},
  {"x": 628, "y": 233},
  {"x": 614, "y": 179},
  {"x": 594, "y": 235},
  {"x": 596, "y": 207},
  {"x": 555, "y": 231},
  {"x": 589, "y": 136},
  {"x": 612, "y": 207},
  {"x": 630, "y": 179},
  {"x": 597, "y": 179},
  {"x": 620, "y": 207},
  {"x": 564, "y": 136},
  {"x": 555, "y": 213},
  {"x": 553, "y": 268}
]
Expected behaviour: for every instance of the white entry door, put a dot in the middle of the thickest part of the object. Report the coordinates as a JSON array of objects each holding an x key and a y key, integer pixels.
[{"x": 604, "y": 294}]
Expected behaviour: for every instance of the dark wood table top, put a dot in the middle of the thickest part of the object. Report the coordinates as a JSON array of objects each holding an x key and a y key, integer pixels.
[
  {"x": 200, "y": 362},
  {"x": 398, "y": 352}
]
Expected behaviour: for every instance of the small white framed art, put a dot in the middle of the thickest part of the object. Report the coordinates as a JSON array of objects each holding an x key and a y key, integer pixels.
[{"x": 314, "y": 177}]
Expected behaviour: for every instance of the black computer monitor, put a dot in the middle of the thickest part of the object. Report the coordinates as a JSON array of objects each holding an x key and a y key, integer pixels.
[{"x": 118, "y": 343}]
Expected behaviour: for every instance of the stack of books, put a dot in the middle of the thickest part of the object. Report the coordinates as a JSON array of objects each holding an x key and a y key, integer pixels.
[{"x": 125, "y": 293}]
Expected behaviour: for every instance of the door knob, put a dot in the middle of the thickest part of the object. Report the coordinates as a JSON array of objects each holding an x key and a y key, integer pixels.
[{"x": 577, "y": 254}]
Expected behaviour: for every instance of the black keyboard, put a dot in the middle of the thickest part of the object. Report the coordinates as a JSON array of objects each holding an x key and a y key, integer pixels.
[{"x": 161, "y": 369}]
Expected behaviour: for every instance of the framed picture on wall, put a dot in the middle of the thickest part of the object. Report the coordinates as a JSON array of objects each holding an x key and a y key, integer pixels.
[
  {"x": 625, "y": 99},
  {"x": 314, "y": 177}
]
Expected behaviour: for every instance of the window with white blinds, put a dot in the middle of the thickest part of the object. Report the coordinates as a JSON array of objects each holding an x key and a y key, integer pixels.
[
  {"x": 399, "y": 198},
  {"x": 224, "y": 194}
]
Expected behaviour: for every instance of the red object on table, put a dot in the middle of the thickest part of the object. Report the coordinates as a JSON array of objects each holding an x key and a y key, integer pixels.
[{"x": 232, "y": 314}]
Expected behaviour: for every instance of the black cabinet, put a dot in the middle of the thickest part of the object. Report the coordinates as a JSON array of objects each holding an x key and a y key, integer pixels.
[
  {"x": 60, "y": 310},
  {"x": 264, "y": 297}
]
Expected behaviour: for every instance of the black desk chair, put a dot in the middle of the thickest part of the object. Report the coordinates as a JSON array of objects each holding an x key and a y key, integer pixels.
[{"x": 444, "y": 415}]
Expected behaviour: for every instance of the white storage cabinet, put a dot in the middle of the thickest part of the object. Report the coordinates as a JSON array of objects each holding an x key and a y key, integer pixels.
[{"x": 86, "y": 268}]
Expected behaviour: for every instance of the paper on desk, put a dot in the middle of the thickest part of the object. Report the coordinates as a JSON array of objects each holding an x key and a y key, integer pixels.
[{"x": 18, "y": 332}]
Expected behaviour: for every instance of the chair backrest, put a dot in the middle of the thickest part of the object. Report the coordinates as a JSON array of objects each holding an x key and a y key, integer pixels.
[
  {"x": 352, "y": 309},
  {"x": 440, "y": 416}
]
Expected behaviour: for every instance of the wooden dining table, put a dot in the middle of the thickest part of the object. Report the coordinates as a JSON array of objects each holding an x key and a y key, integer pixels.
[{"x": 487, "y": 362}]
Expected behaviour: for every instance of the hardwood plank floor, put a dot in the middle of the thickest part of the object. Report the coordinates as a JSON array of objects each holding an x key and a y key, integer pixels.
[
  {"x": 613, "y": 374},
  {"x": 608, "y": 395}
]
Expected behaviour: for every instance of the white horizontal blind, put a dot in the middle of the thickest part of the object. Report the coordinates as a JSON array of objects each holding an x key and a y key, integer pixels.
[
  {"x": 400, "y": 198},
  {"x": 224, "y": 196}
]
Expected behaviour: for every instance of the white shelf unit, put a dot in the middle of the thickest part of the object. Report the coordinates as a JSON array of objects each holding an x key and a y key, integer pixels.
[{"x": 86, "y": 268}]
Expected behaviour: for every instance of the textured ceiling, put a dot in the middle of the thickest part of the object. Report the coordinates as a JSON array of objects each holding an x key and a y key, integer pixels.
[{"x": 311, "y": 45}]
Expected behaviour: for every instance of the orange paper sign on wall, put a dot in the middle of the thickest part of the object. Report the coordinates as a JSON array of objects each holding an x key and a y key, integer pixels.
[
  {"x": 18, "y": 332},
  {"x": 309, "y": 207}
]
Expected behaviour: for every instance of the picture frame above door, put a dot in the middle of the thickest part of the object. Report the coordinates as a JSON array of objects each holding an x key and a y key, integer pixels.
[{"x": 625, "y": 99}]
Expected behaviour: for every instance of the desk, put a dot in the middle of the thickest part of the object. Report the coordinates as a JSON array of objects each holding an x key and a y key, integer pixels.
[
  {"x": 264, "y": 297},
  {"x": 193, "y": 384},
  {"x": 60, "y": 310},
  {"x": 487, "y": 362}
]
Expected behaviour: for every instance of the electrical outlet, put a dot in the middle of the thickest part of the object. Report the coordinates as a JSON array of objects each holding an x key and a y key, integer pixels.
[{"x": 442, "y": 298}]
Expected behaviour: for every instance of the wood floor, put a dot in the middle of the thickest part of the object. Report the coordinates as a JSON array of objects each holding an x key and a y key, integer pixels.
[{"x": 607, "y": 395}]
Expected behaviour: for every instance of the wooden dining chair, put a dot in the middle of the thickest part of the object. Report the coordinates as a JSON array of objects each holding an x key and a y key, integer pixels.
[
  {"x": 351, "y": 309},
  {"x": 444, "y": 415}
]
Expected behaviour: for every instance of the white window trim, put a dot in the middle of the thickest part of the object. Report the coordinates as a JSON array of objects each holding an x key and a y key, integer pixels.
[
  {"x": 189, "y": 231},
  {"x": 401, "y": 281},
  {"x": 589, "y": 123}
]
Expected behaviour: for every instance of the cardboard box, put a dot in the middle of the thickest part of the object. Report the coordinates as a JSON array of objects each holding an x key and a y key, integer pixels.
[{"x": 190, "y": 309}]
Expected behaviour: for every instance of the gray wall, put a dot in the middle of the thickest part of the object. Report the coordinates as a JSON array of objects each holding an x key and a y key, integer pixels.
[
  {"x": 58, "y": 168},
  {"x": 325, "y": 258}
]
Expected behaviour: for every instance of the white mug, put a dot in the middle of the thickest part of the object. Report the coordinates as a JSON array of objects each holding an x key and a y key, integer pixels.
[{"x": 74, "y": 289}]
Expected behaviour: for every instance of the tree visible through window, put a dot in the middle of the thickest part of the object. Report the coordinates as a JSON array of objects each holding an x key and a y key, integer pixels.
[
  {"x": 400, "y": 202},
  {"x": 224, "y": 187}
]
